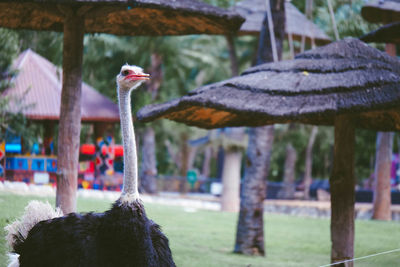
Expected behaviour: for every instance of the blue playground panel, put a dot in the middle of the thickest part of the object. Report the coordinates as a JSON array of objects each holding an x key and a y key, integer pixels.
[
  {"x": 31, "y": 164},
  {"x": 9, "y": 163},
  {"x": 51, "y": 165},
  {"x": 38, "y": 165},
  {"x": 17, "y": 164}
]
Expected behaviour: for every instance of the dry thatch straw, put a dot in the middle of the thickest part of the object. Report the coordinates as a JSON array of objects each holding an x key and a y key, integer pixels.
[
  {"x": 381, "y": 11},
  {"x": 389, "y": 33},
  {"x": 345, "y": 77},
  {"x": 122, "y": 17}
]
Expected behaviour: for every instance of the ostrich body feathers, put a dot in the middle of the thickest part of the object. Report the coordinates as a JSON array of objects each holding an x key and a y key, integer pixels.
[
  {"x": 121, "y": 236},
  {"x": 35, "y": 212}
]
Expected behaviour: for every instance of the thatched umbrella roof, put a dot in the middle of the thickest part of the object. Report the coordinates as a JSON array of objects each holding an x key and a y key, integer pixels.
[
  {"x": 345, "y": 77},
  {"x": 381, "y": 11},
  {"x": 389, "y": 33},
  {"x": 122, "y": 17},
  {"x": 296, "y": 23},
  {"x": 346, "y": 84}
]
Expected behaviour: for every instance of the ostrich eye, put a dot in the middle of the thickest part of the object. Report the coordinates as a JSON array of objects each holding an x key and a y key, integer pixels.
[{"x": 125, "y": 72}]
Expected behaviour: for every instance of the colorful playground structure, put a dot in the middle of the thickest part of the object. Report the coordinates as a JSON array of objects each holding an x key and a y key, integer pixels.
[{"x": 100, "y": 166}]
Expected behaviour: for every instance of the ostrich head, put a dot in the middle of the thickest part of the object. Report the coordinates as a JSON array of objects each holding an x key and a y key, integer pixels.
[{"x": 130, "y": 77}]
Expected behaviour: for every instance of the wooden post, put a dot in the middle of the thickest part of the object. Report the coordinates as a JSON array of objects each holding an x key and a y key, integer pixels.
[
  {"x": 232, "y": 55},
  {"x": 332, "y": 15},
  {"x": 48, "y": 135},
  {"x": 382, "y": 197},
  {"x": 100, "y": 128},
  {"x": 70, "y": 112},
  {"x": 309, "y": 9},
  {"x": 303, "y": 44},
  {"x": 391, "y": 49},
  {"x": 342, "y": 185},
  {"x": 271, "y": 32},
  {"x": 230, "y": 198},
  {"x": 291, "y": 45}
]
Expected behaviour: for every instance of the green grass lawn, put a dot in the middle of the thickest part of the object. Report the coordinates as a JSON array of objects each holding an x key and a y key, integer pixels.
[{"x": 206, "y": 238}]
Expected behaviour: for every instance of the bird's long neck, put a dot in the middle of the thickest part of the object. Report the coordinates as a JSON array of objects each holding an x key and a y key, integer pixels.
[{"x": 130, "y": 189}]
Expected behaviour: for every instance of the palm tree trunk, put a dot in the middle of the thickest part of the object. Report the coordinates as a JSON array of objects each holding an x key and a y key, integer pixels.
[
  {"x": 232, "y": 55},
  {"x": 188, "y": 155},
  {"x": 308, "y": 167},
  {"x": 184, "y": 186},
  {"x": 250, "y": 228},
  {"x": 384, "y": 148},
  {"x": 205, "y": 170},
  {"x": 264, "y": 53},
  {"x": 382, "y": 197},
  {"x": 220, "y": 161},
  {"x": 148, "y": 181},
  {"x": 288, "y": 189}
]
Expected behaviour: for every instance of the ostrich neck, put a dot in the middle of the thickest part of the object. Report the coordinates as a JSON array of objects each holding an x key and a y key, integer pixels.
[{"x": 130, "y": 188}]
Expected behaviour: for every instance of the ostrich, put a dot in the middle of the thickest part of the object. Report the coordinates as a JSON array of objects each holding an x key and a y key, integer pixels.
[{"x": 121, "y": 236}]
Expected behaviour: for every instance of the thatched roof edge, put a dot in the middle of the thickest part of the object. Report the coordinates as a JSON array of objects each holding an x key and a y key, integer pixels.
[
  {"x": 381, "y": 11},
  {"x": 285, "y": 92},
  {"x": 389, "y": 33},
  {"x": 122, "y": 17}
]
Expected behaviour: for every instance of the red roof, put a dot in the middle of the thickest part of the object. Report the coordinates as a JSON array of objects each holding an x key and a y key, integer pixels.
[{"x": 38, "y": 84}]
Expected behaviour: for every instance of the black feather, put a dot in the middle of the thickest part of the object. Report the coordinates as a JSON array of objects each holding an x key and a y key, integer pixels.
[{"x": 122, "y": 236}]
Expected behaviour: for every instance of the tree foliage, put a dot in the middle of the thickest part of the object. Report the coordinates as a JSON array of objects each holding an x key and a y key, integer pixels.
[
  {"x": 10, "y": 123},
  {"x": 8, "y": 48},
  {"x": 15, "y": 123}
]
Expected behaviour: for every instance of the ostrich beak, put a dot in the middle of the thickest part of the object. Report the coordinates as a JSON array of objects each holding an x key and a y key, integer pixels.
[{"x": 138, "y": 76}]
